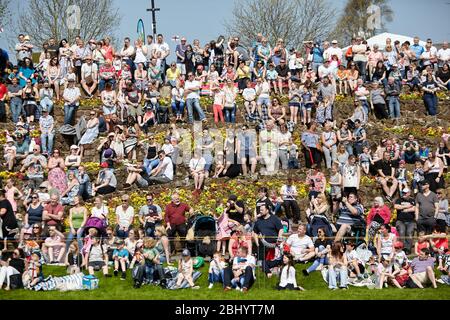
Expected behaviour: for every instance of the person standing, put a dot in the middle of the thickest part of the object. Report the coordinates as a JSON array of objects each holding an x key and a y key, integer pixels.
[
  {"x": 175, "y": 217},
  {"x": 427, "y": 208},
  {"x": 406, "y": 223}
]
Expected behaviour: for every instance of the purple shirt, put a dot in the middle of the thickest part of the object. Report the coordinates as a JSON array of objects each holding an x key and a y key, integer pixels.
[{"x": 419, "y": 266}]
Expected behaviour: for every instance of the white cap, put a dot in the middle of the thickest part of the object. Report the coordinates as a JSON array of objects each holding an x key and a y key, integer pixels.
[
  {"x": 406, "y": 190},
  {"x": 71, "y": 77},
  {"x": 334, "y": 41}
]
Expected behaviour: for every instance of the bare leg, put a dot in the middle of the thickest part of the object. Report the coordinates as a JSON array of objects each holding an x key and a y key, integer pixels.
[{"x": 430, "y": 274}]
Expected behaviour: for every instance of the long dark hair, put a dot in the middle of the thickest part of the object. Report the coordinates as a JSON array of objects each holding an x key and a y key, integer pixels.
[{"x": 336, "y": 250}]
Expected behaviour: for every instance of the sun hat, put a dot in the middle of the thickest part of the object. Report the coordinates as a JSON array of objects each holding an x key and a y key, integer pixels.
[
  {"x": 9, "y": 139},
  {"x": 74, "y": 146}
]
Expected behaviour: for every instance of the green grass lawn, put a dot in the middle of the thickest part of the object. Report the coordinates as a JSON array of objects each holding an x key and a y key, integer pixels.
[{"x": 263, "y": 289}]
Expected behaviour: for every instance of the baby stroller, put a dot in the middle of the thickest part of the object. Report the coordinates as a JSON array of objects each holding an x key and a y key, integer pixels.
[
  {"x": 204, "y": 243},
  {"x": 317, "y": 222},
  {"x": 96, "y": 223}
]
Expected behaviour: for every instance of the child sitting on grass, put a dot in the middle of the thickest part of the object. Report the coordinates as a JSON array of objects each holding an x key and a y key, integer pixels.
[
  {"x": 216, "y": 267},
  {"x": 185, "y": 270},
  {"x": 399, "y": 255},
  {"x": 422, "y": 243},
  {"x": 74, "y": 259},
  {"x": 386, "y": 273},
  {"x": 120, "y": 256},
  {"x": 287, "y": 277},
  {"x": 97, "y": 258},
  {"x": 34, "y": 274}
]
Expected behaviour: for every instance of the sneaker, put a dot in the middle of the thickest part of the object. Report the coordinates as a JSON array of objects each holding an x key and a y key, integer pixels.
[
  {"x": 305, "y": 272},
  {"x": 137, "y": 285},
  {"x": 123, "y": 276},
  {"x": 107, "y": 275},
  {"x": 226, "y": 289},
  {"x": 210, "y": 285},
  {"x": 333, "y": 289},
  {"x": 244, "y": 290},
  {"x": 116, "y": 273},
  {"x": 440, "y": 281},
  {"x": 195, "y": 287},
  {"x": 238, "y": 289}
]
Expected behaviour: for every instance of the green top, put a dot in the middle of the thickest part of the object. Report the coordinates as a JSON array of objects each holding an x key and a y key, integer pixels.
[{"x": 77, "y": 219}]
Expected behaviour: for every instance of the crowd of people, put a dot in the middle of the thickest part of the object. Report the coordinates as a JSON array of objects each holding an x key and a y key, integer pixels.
[{"x": 43, "y": 212}]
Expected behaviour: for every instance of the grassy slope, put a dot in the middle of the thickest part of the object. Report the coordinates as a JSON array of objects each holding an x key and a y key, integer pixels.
[{"x": 263, "y": 289}]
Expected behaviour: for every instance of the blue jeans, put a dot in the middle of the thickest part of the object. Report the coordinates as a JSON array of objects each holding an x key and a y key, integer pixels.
[
  {"x": 178, "y": 107},
  {"x": 318, "y": 261},
  {"x": 102, "y": 84},
  {"x": 340, "y": 274},
  {"x": 192, "y": 104},
  {"x": 431, "y": 102},
  {"x": 16, "y": 110},
  {"x": 150, "y": 165},
  {"x": 69, "y": 113},
  {"x": 214, "y": 277},
  {"x": 47, "y": 142},
  {"x": 230, "y": 114},
  {"x": 394, "y": 107},
  {"x": 47, "y": 103},
  {"x": 71, "y": 236}
]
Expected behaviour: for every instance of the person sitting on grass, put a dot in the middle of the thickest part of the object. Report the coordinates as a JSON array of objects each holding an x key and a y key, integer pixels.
[
  {"x": 287, "y": 275},
  {"x": 54, "y": 246},
  {"x": 216, "y": 269},
  {"x": 387, "y": 273},
  {"x": 97, "y": 258},
  {"x": 302, "y": 247},
  {"x": 241, "y": 275},
  {"x": 423, "y": 269},
  {"x": 422, "y": 243},
  {"x": 322, "y": 247},
  {"x": 355, "y": 265},
  {"x": 34, "y": 274},
  {"x": 121, "y": 259},
  {"x": 74, "y": 259},
  {"x": 337, "y": 269},
  {"x": 185, "y": 270}
]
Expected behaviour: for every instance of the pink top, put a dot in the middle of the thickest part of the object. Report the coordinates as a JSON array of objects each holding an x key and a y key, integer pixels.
[{"x": 9, "y": 195}]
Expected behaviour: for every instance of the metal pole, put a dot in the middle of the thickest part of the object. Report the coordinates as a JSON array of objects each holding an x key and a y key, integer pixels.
[{"x": 153, "y": 10}]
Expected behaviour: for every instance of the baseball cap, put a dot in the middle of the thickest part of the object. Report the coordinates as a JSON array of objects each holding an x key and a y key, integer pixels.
[
  {"x": 334, "y": 41},
  {"x": 424, "y": 182},
  {"x": 9, "y": 139},
  {"x": 186, "y": 253},
  {"x": 71, "y": 78},
  {"x": 74, "y": 146},
  {"x": 406, "y": 190}
]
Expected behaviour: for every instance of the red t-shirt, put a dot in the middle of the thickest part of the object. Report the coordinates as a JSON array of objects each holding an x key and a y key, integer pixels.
[
  {"x": 53, "y": 210},
  {"x": 3, "y": 91},
  {"x": 174, "y": 214}
]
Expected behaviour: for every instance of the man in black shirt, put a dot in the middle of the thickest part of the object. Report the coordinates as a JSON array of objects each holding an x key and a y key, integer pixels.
[
  {"x": 284, "y": 74},
  {"x": 9, "y": 221},
  {"x": 267, "y": 232},
  {"x": 386, "y": 174},
  {"x": 235, "y": 209},
  {"x": 406, "y": 222}
]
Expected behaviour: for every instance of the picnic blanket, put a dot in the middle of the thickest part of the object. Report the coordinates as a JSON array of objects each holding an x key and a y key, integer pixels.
[
  {"x": 171, "y": 274},
  {"x": 65, "y": 283}
]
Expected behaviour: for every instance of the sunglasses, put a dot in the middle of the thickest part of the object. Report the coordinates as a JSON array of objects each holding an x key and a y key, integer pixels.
[
  {"x": 149, "y": 199},
  {"x": 35, "y": 227},
  {"x": 34, "y": 197},
  {"x": 124, "y": 200}
]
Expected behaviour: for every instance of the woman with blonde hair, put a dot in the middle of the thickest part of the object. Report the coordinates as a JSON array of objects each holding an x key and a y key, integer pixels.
[{"x": 162, "y": 244}]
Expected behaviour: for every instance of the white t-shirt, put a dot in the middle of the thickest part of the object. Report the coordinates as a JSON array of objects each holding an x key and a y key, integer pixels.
[
  {"x": 168, "y": 171},
  {"x": 298, "y": 245},
  {"x": 124, "y": 216},
  {"x": 288, "y": 192},
  {"x": 218, "y": 98},
  {"x": 89, "y": 70},
  {"x": 249, "y": 261},
  {"x": 192, "y": 84},
  {"x": 324, "y": 71},
  {"x": 444, "y": 55},
  {"x": 197, "y": 164},
  {"x": 265, "y": 90},
  {"x": 161, "y": 47},
  {"x": 249, "y": 94}
]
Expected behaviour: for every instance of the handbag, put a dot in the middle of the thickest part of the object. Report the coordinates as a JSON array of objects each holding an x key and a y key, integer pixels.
[
  {"x": 15, "y": 281},
  {"x": 378, "y": 218}
]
